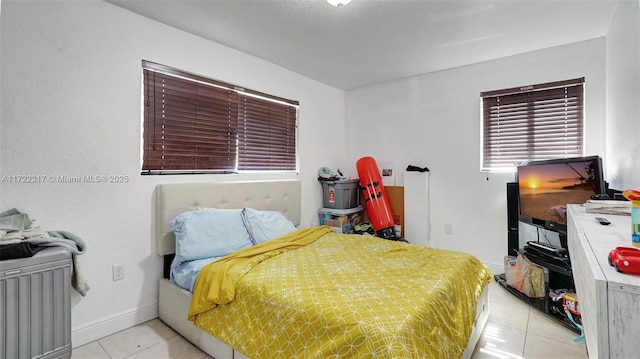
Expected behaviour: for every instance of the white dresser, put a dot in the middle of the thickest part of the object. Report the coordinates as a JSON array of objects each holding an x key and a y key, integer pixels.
[{"x": 609, "y": 301}]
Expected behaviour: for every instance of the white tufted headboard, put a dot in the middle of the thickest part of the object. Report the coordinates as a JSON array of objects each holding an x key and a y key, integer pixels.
[{"x": 173, "y": 199}]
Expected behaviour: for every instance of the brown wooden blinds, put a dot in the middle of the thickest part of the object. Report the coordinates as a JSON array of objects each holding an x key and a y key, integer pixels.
[
  {"x": 197, "y": 125},
  {"x": 266, "y": 140},
  {"x": 536, "y": 122}
]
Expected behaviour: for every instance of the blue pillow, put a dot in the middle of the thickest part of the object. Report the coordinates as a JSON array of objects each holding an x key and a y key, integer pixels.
[
  {"x": 209, "y": 233},
  {"x": 266, "y": 225}
]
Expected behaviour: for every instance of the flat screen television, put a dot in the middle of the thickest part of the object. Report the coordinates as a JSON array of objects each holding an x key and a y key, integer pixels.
[{"x": 546, "y": 187}]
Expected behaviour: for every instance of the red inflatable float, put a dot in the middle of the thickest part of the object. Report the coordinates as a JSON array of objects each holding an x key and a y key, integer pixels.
[{"x": 375, "y": 198}]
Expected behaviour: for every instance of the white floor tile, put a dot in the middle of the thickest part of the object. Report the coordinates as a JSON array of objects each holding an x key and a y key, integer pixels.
[
  {"x": 130, "y": 341},
  {"x": 91, "y": 350},
  {"x": 175, "y": 347},
  {"x": 516, "y": 317},
  {"x": 539, "y": 347},
  {"x": 540, "y": 324},
  {"x": 500, "y": 341}
]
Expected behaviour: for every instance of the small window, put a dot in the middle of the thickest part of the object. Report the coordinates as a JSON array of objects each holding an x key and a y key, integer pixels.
[
  {"x": 536, "y": 122},
  {"x": 194, "y": 124}
]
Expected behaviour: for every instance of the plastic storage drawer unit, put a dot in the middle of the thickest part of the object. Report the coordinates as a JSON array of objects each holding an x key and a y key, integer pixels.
[
  {"x": 341, "y": 220},
  {"x": 35, "y": 305}
]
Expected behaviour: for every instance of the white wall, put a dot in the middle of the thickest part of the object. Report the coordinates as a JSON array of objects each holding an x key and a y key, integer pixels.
[
  {"x": 71, "y": 106},
  {"x": 623, "y": 96},
  {"x": 433, "y": 120}
]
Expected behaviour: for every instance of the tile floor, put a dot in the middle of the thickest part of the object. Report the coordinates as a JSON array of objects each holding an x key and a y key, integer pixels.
[{"x": 514, "y": 331}]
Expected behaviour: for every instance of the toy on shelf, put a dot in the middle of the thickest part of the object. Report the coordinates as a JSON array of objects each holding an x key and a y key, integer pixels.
[
  {"x": 634, "y": 197},
  {"x": 571, "y": 309},
  {"x": 625, "y": 260}
]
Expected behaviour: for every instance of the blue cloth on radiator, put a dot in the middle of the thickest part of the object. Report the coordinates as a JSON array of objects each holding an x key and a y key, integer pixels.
[{"x": 75, "y": 245}]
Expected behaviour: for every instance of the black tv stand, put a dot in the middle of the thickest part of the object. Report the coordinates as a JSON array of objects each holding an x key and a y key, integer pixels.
[
  {"x": 560, "y": 277},
  {"x": 541, "y": 304},
  {"x": 547, "y": 251}
]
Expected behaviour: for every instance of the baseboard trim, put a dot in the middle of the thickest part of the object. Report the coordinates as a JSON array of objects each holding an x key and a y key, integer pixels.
[{"x": 104, "y": 327}]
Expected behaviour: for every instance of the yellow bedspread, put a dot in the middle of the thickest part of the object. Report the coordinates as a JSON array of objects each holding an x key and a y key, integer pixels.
[{"x": 319, "y": 294}]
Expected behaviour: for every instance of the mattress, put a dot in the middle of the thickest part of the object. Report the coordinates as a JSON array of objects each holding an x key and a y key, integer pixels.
[{"x": 342, "y": 296}]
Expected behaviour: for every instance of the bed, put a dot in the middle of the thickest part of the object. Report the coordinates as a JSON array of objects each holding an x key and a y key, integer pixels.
[{"x": 294, "y": 304}]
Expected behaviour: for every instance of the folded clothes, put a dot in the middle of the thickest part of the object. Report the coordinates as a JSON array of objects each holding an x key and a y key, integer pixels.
[
  {"x": 14, "y": 220},
  {"x": 13, "y": 235},
  {"x": 18, "y": 250},
  {"x": 31, "y": 231},
  {"x": 34, "y": 232}
]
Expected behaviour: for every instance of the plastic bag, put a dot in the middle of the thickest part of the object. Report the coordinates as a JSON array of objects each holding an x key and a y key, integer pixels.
[{"x": 525, "y": 276}]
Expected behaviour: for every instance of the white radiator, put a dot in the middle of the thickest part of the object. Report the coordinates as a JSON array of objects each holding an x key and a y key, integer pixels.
[{"x": 35, "y": 306}]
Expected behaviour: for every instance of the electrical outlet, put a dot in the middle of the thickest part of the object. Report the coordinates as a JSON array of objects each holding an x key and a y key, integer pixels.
[
  {"x": 448, "y": 228},
  {"x": 118, "y": 272}
]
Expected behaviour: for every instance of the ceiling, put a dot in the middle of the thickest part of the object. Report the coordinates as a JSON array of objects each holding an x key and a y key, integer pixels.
[{"x": 374, "y": 41}]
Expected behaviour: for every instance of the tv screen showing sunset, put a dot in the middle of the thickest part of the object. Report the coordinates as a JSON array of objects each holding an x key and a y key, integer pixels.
[{"x": 546, "y": 189}]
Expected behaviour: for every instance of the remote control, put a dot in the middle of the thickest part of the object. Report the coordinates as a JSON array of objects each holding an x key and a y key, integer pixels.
[{"x": 603, "y": 221}]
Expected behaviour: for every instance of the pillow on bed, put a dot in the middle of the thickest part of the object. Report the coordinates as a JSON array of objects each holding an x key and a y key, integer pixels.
[
  {"x": 209, "y": 233},
  {"x": 266, "y": 225}
]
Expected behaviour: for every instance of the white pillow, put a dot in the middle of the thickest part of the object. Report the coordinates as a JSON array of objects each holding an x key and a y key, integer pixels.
[
  {"x": 209, "y": 233},
  {"x": 266, "y": 225}
]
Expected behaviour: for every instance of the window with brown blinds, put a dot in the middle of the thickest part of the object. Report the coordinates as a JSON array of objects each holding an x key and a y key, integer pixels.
[
  {"x": 536, "y": 122},
  {"x": 194, "y": 124}
]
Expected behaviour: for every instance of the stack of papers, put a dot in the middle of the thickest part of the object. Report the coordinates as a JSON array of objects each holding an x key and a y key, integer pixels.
[{"x": 608, "y": 207}]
